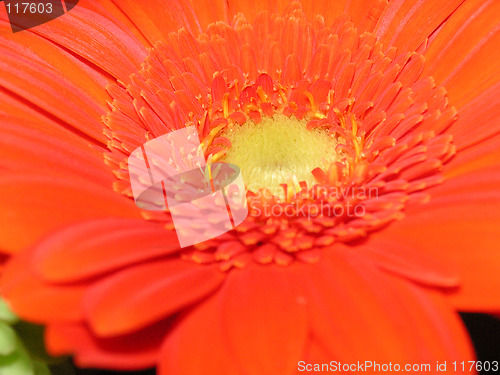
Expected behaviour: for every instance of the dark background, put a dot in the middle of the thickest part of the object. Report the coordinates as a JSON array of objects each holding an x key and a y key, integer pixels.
[
  {"x": 485, "y": 333},
  {"x": 483, "y": 329}
]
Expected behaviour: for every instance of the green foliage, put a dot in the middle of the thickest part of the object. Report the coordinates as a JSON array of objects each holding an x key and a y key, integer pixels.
[{"x": 22, "y": 350}]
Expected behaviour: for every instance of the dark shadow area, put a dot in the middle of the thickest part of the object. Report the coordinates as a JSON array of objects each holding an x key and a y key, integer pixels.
[{"x": 484, "y": 331}]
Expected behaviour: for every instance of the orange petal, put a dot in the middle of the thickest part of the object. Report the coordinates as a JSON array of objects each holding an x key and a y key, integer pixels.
[
  {"x": 459, "y": 227},
  {"x": 364, "y": 14},
  {"x": 200, "y": 332},
  {"x": 96, "y": 39},
  {"x": 210, "y": 11},
  {"x": 23, "y": 148},
  {"x": 251, "y": 9},
  {"x": 482, "y": 155},
  {"x": 264, "y": 317},
  {"x": 89, "y": 248},
  {"x": 32, "y": 78},
  {"x": 462, "y": 55},
  {"x": 406, "y": 24},
  {"x": 32, "y": 205},
  {"x": 157, "y": 18},
  {"x": 38, "y": 49},
  {"x": 130, "y": 352},
  {"x": 111, "y": 11},
  {"x": 478, "y": 119},
  {"x": 392, "y": 319},
  {"x": 154, "y": 291},
  {"x": 19, "y": 113},
  {"x": 314, "y": 353},
  {"x": 36, "y": 301},
  {"x": 401, "y": 260}
]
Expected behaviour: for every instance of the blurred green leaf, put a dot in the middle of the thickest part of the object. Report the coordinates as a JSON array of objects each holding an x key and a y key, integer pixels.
[
  {"x": 6, "y": 314},
  {"x": 8, "y": 340},
  {"x": 22, "y": 348},
  {"x": 17, "y": 363}
]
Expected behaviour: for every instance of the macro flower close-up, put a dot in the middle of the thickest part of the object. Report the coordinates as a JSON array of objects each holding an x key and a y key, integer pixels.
[{"x": 367, "y": 134}]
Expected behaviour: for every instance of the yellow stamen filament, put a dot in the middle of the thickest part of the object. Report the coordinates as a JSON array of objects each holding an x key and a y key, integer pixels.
[
  {"x": 225, "y": 104},
  {"x": 210, "y": 137},
  {"x": 262, "y": 94}
]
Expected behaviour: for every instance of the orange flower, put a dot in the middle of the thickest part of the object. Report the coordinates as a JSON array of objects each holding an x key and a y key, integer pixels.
[{"x": 367, "y": 133}]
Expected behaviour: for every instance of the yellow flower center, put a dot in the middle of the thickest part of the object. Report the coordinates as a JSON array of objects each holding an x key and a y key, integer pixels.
[{"x": 278, "y": 150}]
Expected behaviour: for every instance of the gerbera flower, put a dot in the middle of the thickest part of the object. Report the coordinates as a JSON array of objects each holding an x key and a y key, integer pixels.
[{"x": 385, "y": 109}]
